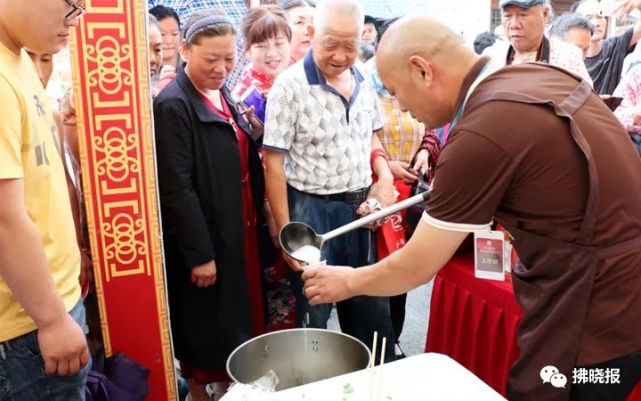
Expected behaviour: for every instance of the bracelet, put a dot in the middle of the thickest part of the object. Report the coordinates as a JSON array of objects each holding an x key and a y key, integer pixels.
[{"x": 376, "y": 153}]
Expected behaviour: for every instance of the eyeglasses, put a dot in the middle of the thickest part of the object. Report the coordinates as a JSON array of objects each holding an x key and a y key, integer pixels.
[{"x": 76, "y": 10}]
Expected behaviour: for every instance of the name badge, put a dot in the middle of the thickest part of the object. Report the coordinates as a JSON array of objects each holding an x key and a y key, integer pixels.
[{"x": 489, "y": 255}]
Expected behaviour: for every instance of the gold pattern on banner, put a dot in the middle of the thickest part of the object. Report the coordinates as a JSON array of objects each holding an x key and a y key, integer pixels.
[
  {"x": 115, "y": 130},
  {"x": 110, "y": 58},
  {"x": 106, "y": 7},
  {"x": 122, "y": 232},
  {"x": 116, "y": 146}
]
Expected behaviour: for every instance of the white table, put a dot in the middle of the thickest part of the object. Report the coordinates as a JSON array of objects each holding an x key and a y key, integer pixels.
[{"x": 426, "y": 377}]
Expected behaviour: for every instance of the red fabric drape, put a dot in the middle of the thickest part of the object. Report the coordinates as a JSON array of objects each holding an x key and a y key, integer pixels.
[{"x": 474, "y": 321}]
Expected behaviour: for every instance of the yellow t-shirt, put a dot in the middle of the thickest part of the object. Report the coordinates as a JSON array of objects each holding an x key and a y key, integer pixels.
[{"x": 29, "y": 151}]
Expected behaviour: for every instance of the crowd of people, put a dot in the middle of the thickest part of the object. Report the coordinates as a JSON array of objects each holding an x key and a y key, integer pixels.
[
  {"x": 530, "y": 33},
  {"x": 336, "y": 115}
]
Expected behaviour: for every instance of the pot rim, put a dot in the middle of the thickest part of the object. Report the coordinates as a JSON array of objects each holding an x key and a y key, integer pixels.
[{"x": 237, "y": 349}]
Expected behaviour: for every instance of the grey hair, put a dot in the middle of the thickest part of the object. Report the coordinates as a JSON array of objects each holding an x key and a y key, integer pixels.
[
  {"x": 287, "y": 5},
  {"x": 327, "y": 9},
  {"x": 565, "y": 22},
  {"x": 153, "y": 21}
]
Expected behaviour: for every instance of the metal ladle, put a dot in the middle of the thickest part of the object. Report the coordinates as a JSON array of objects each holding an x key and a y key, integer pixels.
[{"x": 295, "y": 235}]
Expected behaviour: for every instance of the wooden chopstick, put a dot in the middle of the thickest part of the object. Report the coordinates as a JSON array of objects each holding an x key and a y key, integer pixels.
[
  {"x": 380, "y": 368},
  {"x": 370, "y": 369}
]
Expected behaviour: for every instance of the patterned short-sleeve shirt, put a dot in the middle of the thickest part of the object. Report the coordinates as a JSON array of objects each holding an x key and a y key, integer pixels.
[
  {"x": 327, "y": 139},
  {"x": 562, "y": 54}
]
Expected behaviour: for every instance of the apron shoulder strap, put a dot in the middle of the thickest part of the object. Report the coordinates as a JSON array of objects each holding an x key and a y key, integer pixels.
[
  {"x": 564, "y": 109},
  {"x": 577, "y": 98}
]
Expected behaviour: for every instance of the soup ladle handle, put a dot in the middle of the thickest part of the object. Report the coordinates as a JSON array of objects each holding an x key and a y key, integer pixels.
[{"x": 370, "y": 218}]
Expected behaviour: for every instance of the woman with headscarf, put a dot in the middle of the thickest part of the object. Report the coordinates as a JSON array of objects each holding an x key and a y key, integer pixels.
[{"x": 211, "y": 196}]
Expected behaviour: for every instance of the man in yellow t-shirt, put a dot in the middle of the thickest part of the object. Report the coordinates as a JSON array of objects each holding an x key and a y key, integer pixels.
[{"x": 43, "y": 351}]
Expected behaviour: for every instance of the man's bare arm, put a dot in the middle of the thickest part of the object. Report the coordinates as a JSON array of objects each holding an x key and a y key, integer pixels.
[
  {"x": 276, "y": 190},
  {"x": 417, "y": 262},
  {"x": 23, "y": 265}
]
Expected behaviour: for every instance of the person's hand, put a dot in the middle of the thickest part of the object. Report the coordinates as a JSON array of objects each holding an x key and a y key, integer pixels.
[
  {"x": 632, "y": 4},
  {"x": 636, "y": 116},
  {"x": 371, "y": 205},
  {"x": 204, "y": 275},
  {"x": 254, "y": 122},
  {"x": 63, "y": 346},
  {"x": 293, "y": 263},
  {"x": 167, "y": 71},
  {"x": 422, "y": 161},
  {"x": 620, "y": 9},
  {"x": 384, "y": 191},
  {"x": 402, "y": 171},
  {"x": 69, "y": 110},
  {"x": 327, "y": 284}
]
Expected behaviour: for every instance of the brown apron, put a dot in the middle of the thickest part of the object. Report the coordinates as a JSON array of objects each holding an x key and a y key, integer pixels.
[{"x": 554, "y": 288}]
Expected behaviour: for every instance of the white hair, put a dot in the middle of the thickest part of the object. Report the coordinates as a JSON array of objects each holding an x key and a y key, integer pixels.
[{"x": 327, "y": 10}]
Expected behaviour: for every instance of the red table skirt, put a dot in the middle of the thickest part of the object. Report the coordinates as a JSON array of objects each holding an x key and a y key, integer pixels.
[{"x": 474, "y": 321}]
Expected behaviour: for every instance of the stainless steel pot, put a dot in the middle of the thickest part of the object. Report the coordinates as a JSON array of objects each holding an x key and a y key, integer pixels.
[{"x": 297, "y": 356}]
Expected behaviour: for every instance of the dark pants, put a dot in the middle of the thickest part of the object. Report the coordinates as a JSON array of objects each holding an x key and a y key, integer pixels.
[
  {"x": 359, "y": 316},
  {"x": 22, "y": 376},
  {"x": 397, "y": 310},
  {"x": 629, "y": 368}
]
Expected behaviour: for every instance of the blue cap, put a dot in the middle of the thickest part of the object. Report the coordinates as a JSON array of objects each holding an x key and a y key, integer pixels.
[{"x": 520, "y": 3}]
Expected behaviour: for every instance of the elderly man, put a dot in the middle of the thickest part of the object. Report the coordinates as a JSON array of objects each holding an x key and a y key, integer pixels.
[
  {"x": 534, "y": 155},
  {"x": 605, "y": 57},
  {"x": 43, "y": 351},
  {"x": 524, "y": 26},
  {"x": 321, "y": 149},
  {"x": 574, "y": 29}
]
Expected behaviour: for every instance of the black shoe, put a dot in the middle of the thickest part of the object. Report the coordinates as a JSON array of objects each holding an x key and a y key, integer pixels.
[{"x": 399, "y": 352}]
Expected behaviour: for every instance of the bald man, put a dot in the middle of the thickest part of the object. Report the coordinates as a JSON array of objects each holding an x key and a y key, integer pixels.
[{"x": 535, "y": 156}]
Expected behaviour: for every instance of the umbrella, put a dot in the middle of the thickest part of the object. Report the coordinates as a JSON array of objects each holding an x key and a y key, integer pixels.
[{"x": 235, "y": 9}]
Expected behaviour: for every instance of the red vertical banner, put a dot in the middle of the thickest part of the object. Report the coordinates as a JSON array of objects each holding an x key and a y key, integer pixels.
[{"x": 113, "y": 105}]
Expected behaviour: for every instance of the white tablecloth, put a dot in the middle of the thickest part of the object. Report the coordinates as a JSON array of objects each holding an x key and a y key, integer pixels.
[{"x": 426, "y": 377}]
